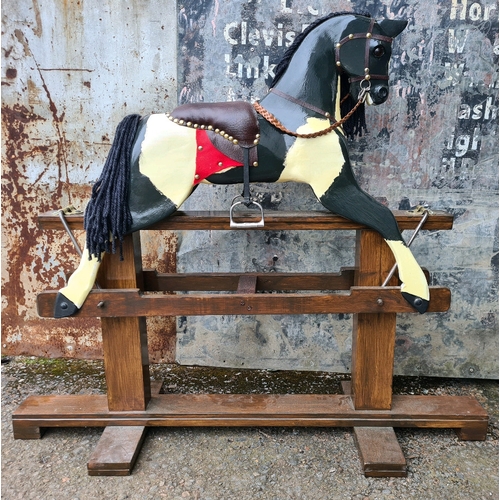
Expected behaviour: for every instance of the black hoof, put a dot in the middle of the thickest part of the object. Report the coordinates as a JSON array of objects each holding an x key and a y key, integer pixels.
[
  {"x": 64, "y": 307},
  {"x": 418, "y": 303}
]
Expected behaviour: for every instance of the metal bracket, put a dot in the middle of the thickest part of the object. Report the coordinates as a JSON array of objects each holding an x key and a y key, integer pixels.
[
  {"x": 245, "y": 225},
  {"x": 70, "y": 210}
]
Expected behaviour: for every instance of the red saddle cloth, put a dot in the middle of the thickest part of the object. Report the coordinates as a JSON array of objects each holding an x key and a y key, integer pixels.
[{"x": 223, "y": 129}]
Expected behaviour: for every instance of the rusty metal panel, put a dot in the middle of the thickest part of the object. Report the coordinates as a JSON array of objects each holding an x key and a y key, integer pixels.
[
  {"x": 434, "y": 142},
  {"x": 70, "y": 72}
]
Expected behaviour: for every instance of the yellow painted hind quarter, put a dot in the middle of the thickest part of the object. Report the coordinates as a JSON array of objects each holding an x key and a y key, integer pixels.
[
  {"x": 168, "y": 157},
  {"x": 317, "y": 161}
]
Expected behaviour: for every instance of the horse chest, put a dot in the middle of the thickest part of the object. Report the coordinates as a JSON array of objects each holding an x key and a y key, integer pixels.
[{"x": 318, "y": 161}]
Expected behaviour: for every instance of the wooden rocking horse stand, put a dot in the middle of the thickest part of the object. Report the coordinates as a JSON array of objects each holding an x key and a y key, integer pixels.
[{"x": 133, "y": 403}]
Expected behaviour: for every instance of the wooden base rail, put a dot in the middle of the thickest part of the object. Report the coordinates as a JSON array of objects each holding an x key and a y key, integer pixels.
[
  {"x": 132, "y": 403},
  {"x": 242, "y": 410}
]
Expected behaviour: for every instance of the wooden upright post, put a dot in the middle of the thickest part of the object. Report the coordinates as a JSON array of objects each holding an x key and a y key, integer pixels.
[
  {"x": 124, "y": 340},
  {"x": 373, "y": 334}
]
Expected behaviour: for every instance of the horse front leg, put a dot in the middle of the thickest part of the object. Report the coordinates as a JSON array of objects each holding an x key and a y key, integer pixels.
[
  {"x": 324, "y": 164},
  {"x": 345, "y": 197},
  {"x": 71, "y": 298}
]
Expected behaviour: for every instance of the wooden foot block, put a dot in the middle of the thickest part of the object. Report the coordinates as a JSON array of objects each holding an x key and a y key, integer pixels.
[
  {"x": 117, "y": 451},
  {"x": 475, "y": 432},
  {"x": 23, "y": 431},
  {"x": 379, "y": 452}
]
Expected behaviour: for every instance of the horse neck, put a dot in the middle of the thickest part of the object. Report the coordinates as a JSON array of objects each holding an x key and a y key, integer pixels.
[{"x": 311, "y": 77}]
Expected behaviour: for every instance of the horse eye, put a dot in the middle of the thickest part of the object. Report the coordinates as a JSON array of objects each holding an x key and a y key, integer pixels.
[{"x": 378, "y": 51}]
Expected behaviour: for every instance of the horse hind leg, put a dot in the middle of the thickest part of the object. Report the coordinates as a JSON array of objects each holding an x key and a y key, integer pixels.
[{"x": 71, "y": 298}]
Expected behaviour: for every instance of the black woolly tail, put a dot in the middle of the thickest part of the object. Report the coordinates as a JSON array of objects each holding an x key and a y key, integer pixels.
[
  {"x": 356, "y": 124},
  {"x": 107, "y": 216}
]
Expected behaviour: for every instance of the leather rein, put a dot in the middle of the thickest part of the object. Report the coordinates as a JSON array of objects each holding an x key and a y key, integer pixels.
[{"x": 365, "y": 89}]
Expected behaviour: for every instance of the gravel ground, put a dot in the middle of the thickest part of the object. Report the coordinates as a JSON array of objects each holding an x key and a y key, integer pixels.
[{"x": 268, "y": 463}]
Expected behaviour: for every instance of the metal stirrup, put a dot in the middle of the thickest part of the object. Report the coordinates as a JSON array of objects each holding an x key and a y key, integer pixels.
[{"x": 247, "y": 198}]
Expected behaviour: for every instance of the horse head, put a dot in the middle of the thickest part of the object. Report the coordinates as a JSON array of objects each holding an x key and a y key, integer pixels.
[{"x": 363, "y": 53}]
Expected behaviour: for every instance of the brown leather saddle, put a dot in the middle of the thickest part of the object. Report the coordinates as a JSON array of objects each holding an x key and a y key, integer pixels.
[{"x": 231, "y": 126}]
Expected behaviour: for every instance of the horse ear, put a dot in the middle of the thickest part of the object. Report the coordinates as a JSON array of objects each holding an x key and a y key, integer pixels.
[{"x": 392, "y": 27}]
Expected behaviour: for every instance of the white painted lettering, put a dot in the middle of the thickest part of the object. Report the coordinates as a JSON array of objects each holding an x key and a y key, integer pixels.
[
  {"x": 227, "y": 59},
  {"x": 268, "y": 36},
  {"x": 253, "y": 36},
  {"x": 476, "y": 137},
  {"x": 290, "y": 37},
  {"x": 456, "y": 40},
  {"x": 284, "y": 7},
  {"x": 460, "y": 9},
  {"x": 227, "y": 35},
  {"x": 477, "y": 112},
  {"x": 490, "y": 111},
  {"x": 243, "y": 33},
  {"x": 475, "y": 12},
  {"x": 448, "y": 164},
  {"x": 268, "y": 69},
  {"x": 464, "y": 112},
  {"x": 455, "y": 6}
]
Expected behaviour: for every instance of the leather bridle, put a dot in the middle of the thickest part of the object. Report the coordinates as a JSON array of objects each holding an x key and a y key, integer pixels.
[{"x": 369, "y": 35}]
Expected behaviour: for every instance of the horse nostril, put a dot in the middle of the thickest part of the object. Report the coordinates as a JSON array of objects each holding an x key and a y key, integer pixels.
[{"x": 383, "y": 92}]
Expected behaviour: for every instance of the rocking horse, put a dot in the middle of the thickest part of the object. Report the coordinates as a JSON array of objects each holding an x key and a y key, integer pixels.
[{"x": 339, "y": 63}]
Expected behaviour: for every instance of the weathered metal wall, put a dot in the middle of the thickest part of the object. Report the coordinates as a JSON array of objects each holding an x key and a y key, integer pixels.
[
  {"x": 70, "y": 72},
  {"x": 435, "y": 141}
]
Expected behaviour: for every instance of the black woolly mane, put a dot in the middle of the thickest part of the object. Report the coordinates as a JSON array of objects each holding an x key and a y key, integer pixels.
[
  {"x": 356, "y": 123},
  {"x": 107, "y": 216}
]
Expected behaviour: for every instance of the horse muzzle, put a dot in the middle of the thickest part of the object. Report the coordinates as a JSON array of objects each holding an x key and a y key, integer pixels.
[
  {"x": 378, "y": 94},
  {"x": 371, "y": 94}
]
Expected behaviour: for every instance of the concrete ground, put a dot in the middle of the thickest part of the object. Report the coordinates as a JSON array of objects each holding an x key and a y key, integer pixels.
[{"x": 267, "y": 463}]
